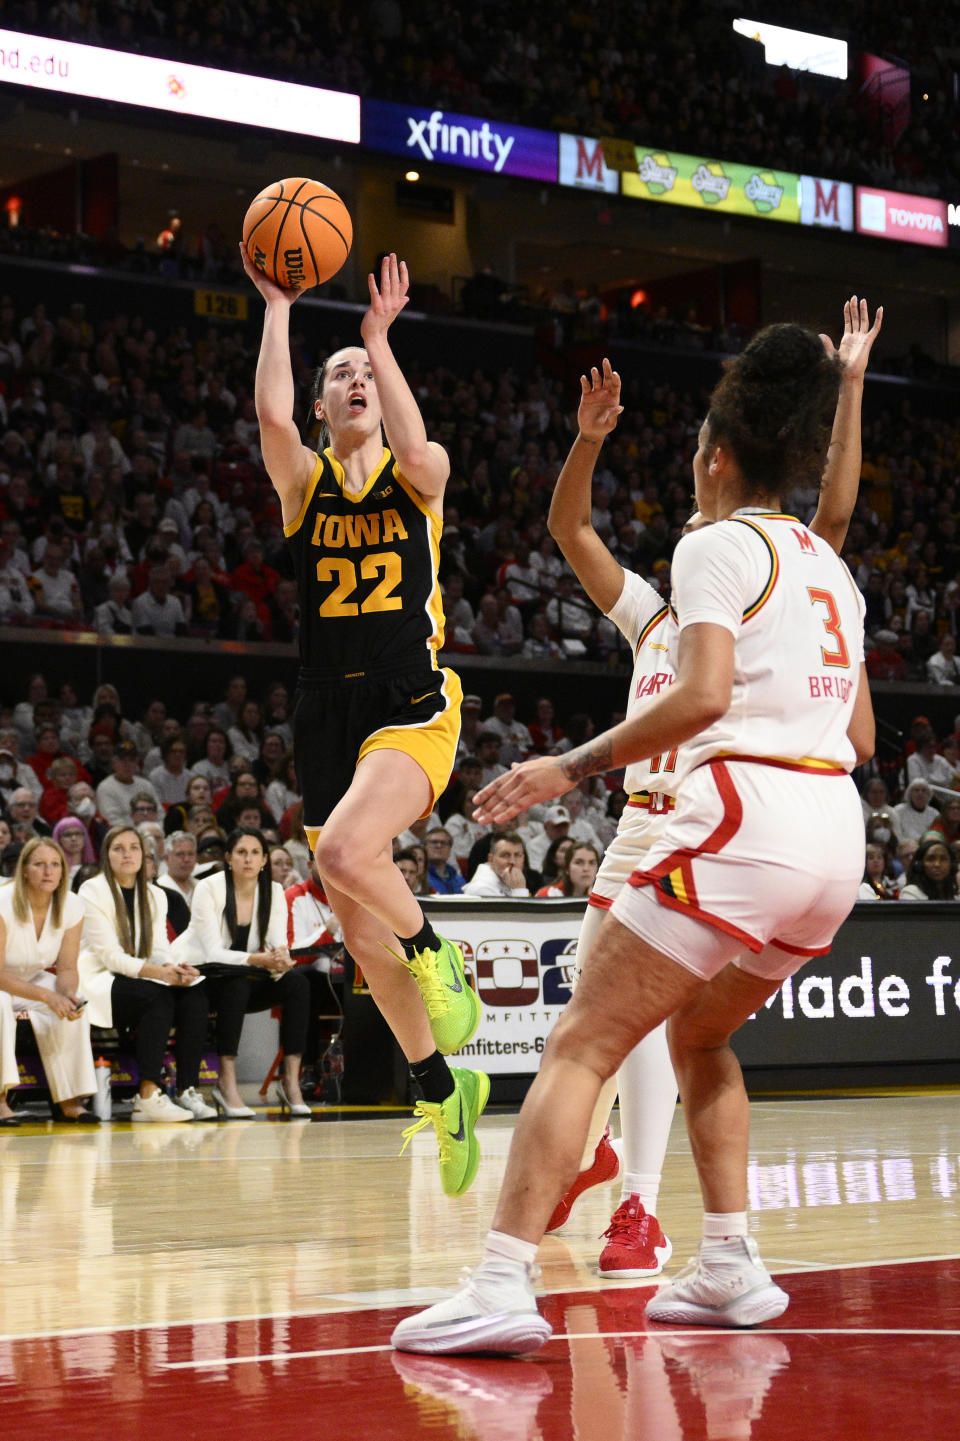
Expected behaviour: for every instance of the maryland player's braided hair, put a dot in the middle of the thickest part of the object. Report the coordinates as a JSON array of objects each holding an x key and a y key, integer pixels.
[{"x": 774, "y": 408}]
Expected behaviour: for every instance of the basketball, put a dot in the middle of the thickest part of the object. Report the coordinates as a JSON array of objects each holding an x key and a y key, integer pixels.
[{"x": 297, "y": 232}]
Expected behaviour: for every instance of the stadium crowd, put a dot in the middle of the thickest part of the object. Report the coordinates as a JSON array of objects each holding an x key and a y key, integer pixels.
[{"x": 673, "y": 75}]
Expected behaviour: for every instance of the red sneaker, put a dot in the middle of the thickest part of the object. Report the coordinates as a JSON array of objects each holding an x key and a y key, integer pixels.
[
  {"x": 636, "y": 1245},
  {"x": 605, "y": 1167}
]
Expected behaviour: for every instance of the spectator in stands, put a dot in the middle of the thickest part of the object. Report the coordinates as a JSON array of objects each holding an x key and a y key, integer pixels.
[
  {"x": 470, "y": 726},
  {"x": 488, "y": 745},
  {"x": 198, "y": 794},
  {"x": 283, "y": 791},
  {"x": 244, "y": 791},
  {"x": 40, "y": 927},
  {"x": 255, "y": 579},
  {"x": 943, "y": 667},
  {"x": 115, "y": 794},
  {"x": 63, "y": 773},
  {"x": 931, "y": 874},
  {"x": 914, "y": 814},
  {"x": 515, "y": 742},
  {"x": 156, "y": 611},
  {"x": 209, "y": 600},
  {"x": 877, "y": 885},
  {"x": 498, "y": 630},
  {"x": 502, "y": 874},
  {"x": 577, "y": 873},
  {"x": 443, "y": 879},
  {"x": 214, "y": 761},
  {"x": 539, "y": 836},
  {"x": 14, "y": 773},
  {"x": 246, "y": 737},
  {"x": 539, "y": 645},
  {"x": 72, "y": 837},
  {"x": 181, "y": 857},
  {"x": 545, "y": 733},
  {"x": 54, "y": 587},
  {"x": 238, "y": 934},
  {"x": 282, "y": 869},
  {"x": 17, "y": 604},
  {"x": 23, "y": 817},
  {"x": 885, "y": 662},
  {"x": 227, "y": 712},
  {"x": 81, "y": 802},
  {"x": 408, "y": 865},
  {"x": 876, "y": 796},
  {"x": 947, "y": 823},
  {"x": 114, "y": 616},
  {"x": 464, "y": 830},
  {"x": 553, "y": 862},
  {"x": 170, "y": 780},
  {"x": 125, "y": 953},
  {"x": 926, "y": 763},
  {"x": 568, "y": 615}
]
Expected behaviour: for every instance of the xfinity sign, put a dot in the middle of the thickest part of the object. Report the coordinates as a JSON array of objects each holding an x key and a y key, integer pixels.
[{"x": 462, "y": 140}]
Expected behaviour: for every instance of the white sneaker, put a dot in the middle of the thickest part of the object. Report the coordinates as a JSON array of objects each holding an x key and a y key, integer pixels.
[
  {"x": 726, "y": 1284},
  {"x": 158, "y": 1107},
  {"x": 495, "y": 1311},
  {"x": 192, "y": 1101}
]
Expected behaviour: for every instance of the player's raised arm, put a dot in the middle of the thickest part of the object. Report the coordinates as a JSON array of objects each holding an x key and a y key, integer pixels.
[
  {"x": 288, "y": 461},
  {"x": 424, "y": 463},
  {"x": 841, "y": 478},
  {"x": 569, "y": 520}
]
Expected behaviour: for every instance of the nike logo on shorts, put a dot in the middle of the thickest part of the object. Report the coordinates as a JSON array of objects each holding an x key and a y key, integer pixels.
[{"x": 416, "y": 699}]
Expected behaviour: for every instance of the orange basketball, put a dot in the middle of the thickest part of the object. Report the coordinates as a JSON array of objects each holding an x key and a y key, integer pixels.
[{"x": 297, "y": 232}]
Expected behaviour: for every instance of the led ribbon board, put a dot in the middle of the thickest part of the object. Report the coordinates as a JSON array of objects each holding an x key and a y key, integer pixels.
[{"x": 178, "y": 88}]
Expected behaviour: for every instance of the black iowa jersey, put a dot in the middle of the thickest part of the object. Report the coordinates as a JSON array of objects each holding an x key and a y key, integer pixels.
[{"x": 366, "y": 566}]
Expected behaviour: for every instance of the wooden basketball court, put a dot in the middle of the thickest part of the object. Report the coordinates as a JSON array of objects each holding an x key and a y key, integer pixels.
[{"x": 186, "y": 1281}]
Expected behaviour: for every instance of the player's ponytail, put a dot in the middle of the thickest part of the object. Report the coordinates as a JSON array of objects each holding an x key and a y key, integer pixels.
[{"x": 774, "y": 408}]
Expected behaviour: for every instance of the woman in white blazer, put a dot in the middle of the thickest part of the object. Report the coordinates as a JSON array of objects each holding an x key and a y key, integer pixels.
[
  {"x": 40, "y": 925},
  {"x": 131, "y": 979},
  {"x": 238, "y": 938}
]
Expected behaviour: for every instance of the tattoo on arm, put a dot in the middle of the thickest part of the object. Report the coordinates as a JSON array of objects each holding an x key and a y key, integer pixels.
[{"x": 589, "y": 760}]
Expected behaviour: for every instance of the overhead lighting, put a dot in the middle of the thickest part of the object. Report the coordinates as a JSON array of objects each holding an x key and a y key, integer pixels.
[
  {"x": 412, "y": 175},
  {"x": 797, "y": 49}
]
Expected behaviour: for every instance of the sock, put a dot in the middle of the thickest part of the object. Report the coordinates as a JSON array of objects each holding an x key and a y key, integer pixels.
[
  {"x": 501, "y": 1247},
  {"x": 643, "y": 1185},
  {"x": 724, "y": 1225},
  {"x": 426, "y": 939},
  {"x": 434, "y": 1078}
]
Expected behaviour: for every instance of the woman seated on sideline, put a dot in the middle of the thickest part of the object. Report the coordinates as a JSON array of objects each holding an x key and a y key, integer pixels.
[
  {"x": 40, "y": 925},
  {"x": 131, "y": 979},
  {"x": 238, "y": 938}
]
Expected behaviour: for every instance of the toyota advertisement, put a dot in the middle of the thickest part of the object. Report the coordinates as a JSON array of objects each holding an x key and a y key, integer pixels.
[{"x": 917, "y": 219}]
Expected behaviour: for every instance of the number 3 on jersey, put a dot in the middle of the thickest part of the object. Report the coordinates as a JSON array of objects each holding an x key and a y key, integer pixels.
[
  {"x": 839, "y": 656},
  {"x": 344, "y": 572}
]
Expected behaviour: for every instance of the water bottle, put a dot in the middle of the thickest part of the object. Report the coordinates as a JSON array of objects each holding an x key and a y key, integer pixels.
[
  {"x": 331, "y": 1066},
  {"x": 102, "y": 1098}
]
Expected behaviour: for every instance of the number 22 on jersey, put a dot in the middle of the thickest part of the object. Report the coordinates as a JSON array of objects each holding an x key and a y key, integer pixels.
[{"x": 383, "y": 597}]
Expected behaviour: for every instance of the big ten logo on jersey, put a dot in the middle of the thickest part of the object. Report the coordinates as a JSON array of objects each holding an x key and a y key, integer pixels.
[
  {"x": 508, "y": 973},
  {"x": 558, "y": 963}
]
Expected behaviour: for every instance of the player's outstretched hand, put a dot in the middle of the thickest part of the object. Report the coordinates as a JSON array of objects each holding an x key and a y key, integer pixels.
[
  {"x": 600, "y": 407},
  {"x": 388, "y": 299},
  {"x": 522, "y": 786},
  {"x": 269, "y": 289},
  {"x": 858, "y": 337}
]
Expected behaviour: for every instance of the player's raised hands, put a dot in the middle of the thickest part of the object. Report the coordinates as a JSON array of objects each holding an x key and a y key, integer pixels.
[
  {"x": 858, "y": 337},
  {"x": 600, "y": 406},
  {"x": 388, "y": 299},
  {"x": 269, "y": 289}
]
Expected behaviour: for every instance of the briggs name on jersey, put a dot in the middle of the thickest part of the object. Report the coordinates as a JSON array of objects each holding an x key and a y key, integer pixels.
[
  {"x": 830, "y": 687},
  {"x": 355, "y": 532}
]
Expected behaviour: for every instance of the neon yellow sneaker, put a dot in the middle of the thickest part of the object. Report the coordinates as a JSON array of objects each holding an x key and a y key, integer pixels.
[
  {"x": 453, "y": 1006},
  {"x": 454, "y": 1120}
]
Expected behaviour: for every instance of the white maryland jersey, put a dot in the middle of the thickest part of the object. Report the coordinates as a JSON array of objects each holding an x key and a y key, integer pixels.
[
  {"x": 643, "y": 618},
  {"x": 797, "y": 619}
]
